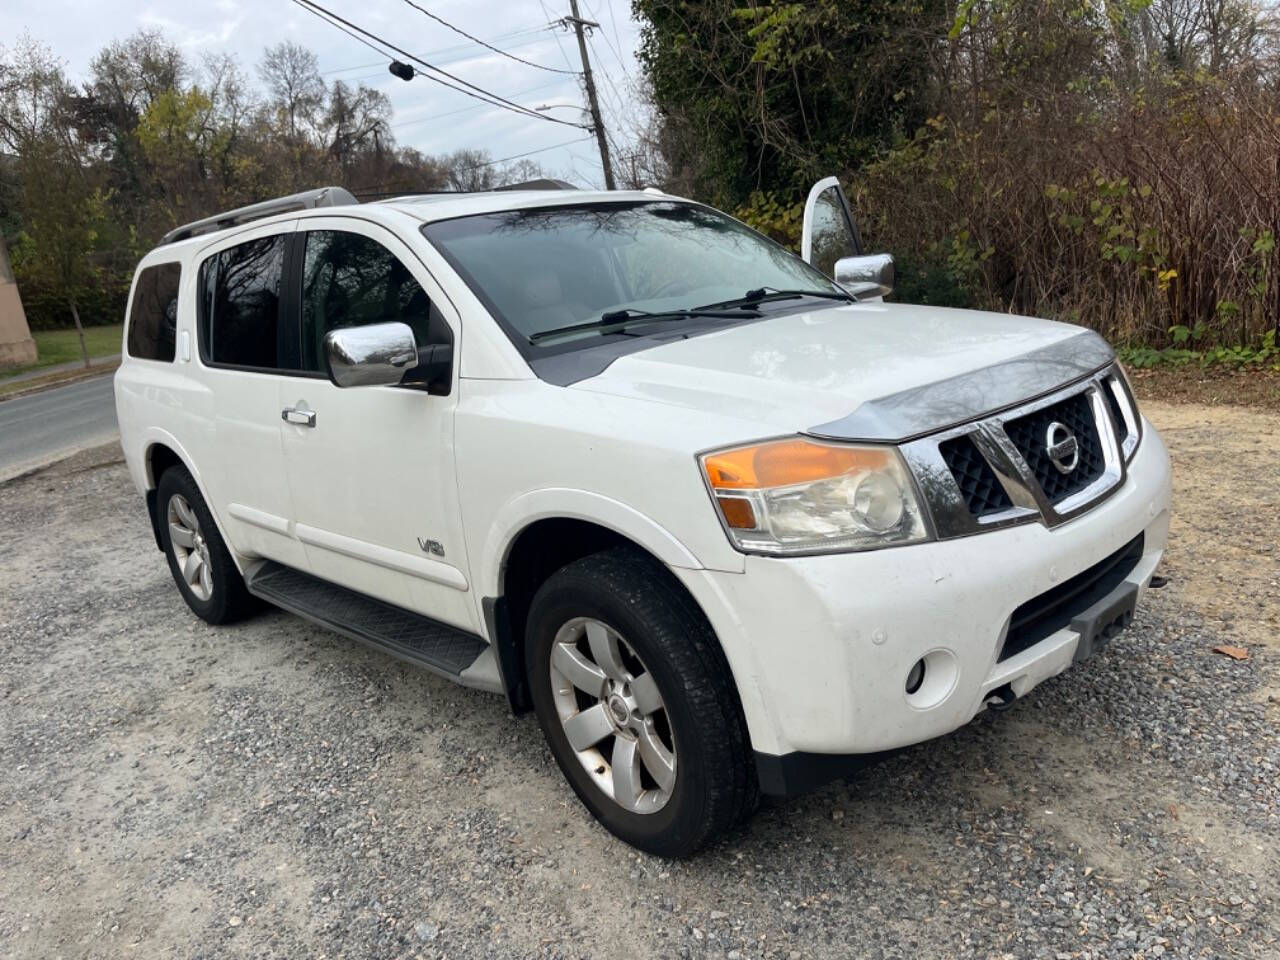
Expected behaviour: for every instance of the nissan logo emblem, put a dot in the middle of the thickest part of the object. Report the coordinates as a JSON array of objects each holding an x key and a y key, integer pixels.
[{"x": 1062, "y": 447}]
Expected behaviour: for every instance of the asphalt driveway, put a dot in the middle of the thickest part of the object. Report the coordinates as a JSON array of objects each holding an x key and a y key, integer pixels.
[{"x": 272, "y": 790}]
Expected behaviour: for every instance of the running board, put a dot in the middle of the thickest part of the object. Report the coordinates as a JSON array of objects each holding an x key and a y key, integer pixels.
[{"x": 448, "y": 651}]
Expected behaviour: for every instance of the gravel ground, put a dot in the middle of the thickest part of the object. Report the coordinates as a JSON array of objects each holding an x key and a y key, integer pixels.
[{"x": 272, "y": 790}]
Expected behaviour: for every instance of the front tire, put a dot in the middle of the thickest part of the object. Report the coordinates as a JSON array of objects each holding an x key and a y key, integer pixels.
[
  {"x": 637, "y": 703},
  {"x": 200, "y": 563}
]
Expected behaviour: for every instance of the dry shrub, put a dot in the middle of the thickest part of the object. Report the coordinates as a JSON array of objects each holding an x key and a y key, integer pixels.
[{"x": 1150, "y": 216}]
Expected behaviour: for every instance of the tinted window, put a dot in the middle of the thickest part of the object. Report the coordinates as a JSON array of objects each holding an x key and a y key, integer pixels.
[
  {"x": 240, "y": 300},
  {"x": 348, "y": 281},
  {"x": 153, "y": 315}
]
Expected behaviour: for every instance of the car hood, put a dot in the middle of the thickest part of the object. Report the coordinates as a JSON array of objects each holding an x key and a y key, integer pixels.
[{"x": 863, "y": 371}]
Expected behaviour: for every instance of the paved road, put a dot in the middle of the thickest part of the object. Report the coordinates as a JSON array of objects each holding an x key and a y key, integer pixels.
[{"x": 37, "y": 428}]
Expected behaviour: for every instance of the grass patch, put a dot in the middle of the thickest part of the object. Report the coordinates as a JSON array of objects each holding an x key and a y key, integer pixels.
[{"x": 63, "y": 346}]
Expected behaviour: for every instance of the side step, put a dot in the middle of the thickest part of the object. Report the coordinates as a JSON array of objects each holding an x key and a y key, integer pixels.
[{"x": 448, "y": 651}]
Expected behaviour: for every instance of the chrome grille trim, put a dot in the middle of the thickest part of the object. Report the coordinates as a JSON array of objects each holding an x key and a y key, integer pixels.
[{"x": 950, "y": 510}]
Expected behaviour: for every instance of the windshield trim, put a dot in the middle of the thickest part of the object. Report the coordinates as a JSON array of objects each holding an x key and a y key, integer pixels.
[{"x": 533, "y": 352}]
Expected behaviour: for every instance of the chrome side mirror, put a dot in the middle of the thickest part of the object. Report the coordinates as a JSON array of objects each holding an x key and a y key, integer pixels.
[
  {"x": 868, "y": 276},
  {"x": 379, "y": 354}
]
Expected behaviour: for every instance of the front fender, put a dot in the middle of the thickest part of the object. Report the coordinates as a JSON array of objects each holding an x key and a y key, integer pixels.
[{"x": 564, "y": 502}]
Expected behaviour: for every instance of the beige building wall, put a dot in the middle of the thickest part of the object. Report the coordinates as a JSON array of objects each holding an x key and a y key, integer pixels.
[{"x": 16, "y": 345}]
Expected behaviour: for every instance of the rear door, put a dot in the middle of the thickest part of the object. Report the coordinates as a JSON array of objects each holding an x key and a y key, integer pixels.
[
  {"x": 371, "y": 469},
  {"x": 246, "y": 342}
]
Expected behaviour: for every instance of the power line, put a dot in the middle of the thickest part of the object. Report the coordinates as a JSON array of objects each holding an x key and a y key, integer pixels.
[
  {"x": 530, "y": 33},
  {"x": 479, "y": 93},
  {"x": 563, "y": 55},
  {"x": 517, "y": 156},
  {"x": 471, "y": 53},
  {"x": 510, "y": 56},
  {"x": 437, "y": 116},
  {"x": 338, "y": 22},
  {"x": 619, "y": 103},
  {"x": 605, "y": 36},
  {"x": 359, "y": 66},
  {"x": 346, "y": 26}
]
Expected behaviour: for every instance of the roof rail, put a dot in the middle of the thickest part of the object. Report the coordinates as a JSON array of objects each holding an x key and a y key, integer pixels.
[
  {"x": 543, "y": 183},
  {"x": 307, "y": 200}
]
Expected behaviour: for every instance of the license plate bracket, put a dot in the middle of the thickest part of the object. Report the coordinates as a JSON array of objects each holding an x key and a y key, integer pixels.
[{"x": 1105, "y": 620}]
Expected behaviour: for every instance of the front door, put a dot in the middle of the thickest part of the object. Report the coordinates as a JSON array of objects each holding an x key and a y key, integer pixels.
[
  {"x": 375, "y": 496},
  {"x": 829, "y": 233},
  {"x": 246, "y": 343},
  {"x": 830, "y": 242}
]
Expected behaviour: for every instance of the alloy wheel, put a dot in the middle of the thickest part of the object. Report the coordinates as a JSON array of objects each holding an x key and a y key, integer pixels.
[
  {"x": 613, "y": 715},
  {"x": 190, "y": 549}
]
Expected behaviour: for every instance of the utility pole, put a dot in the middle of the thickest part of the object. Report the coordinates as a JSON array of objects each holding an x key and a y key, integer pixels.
[{"x": 580, "y": 26}]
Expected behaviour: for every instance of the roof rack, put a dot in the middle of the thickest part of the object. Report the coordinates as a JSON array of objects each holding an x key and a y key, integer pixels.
[{"x": 307, "y": 200}]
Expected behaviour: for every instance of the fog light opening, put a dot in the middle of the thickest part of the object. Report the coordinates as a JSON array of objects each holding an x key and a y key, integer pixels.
[
  {"x": 915, "y": 678},
  {"x": 932, "y": 680}
]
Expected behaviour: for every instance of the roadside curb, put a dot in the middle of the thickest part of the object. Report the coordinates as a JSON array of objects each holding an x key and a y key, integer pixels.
[
  {"x": 101, "y": 453},
  {"x": 80, "y": 375}
]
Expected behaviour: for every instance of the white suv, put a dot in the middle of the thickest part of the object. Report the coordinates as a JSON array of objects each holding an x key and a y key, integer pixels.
[{"x": 727, "y": 521}]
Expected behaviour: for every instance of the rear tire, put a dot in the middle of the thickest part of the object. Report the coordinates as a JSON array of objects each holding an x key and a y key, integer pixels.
[
  {"x": 200, "y": 563},
  {"x": 622, "y": 661}
]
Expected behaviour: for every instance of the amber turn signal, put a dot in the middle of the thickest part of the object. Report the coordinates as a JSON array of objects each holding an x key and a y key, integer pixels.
[
  {"x": 783, "y": 463},
  {"x": 737, "y": 513}
]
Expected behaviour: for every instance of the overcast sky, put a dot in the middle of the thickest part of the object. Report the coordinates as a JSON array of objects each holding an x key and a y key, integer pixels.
[{"x": 427, "y": 116}]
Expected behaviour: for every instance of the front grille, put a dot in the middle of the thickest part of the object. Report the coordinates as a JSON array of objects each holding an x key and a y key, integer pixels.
[
  {"x": 1029, "y": 435},
  {"x": 1109, "y": 387},
  {"x": 978, "y": 484},
  {"x": 1043, "y": 616}
]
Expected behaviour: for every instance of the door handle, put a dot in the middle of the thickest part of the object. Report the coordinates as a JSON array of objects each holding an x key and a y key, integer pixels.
[{"x": 303, "y": 418}]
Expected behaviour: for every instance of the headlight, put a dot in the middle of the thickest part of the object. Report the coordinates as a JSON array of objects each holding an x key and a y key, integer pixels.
[{"x": 801, "y": 496}]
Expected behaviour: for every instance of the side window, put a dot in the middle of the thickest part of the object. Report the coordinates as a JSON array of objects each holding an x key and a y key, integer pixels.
[
  {"x": 349, "y": 280},
  {"x": 153, "y": 315},
  {"x": 240, "y": 290}
]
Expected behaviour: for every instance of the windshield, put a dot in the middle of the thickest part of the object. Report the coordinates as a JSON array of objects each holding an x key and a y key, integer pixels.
[{"x": 546, "y": 269}]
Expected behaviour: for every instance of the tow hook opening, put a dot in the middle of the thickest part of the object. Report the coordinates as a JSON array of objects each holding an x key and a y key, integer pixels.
[{"x": 1001, "y": 698}]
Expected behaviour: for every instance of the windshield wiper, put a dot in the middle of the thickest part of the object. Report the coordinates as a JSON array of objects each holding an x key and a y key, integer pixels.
[
  {"x": 620, "y": 318},
  {"x": 771, "y": 295}
]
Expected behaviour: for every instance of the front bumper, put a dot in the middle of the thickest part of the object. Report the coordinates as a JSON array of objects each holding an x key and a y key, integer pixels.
[{"x": 821, "y": 647}]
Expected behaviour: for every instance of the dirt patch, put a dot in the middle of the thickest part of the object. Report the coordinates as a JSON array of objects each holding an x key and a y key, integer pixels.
[
  {"x": 1251, "y": 387},
  {"x": 1224, "y": 555}
]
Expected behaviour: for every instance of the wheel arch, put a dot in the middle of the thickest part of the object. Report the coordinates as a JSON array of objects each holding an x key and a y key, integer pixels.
[
  {"x": 537, "y": 534},
  {"x": 160, "y": 451}
]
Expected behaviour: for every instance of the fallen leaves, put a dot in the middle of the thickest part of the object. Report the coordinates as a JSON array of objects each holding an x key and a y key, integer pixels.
[{"x": 1235, "y": 653}]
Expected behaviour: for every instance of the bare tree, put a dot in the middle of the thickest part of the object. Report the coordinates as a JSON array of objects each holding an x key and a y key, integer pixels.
[
  {"x": 130, "y": 74},
  {"x": 33, "y": 94},
  {"x": 296, "y": 90},
  {"x": 357, "y": 121},
  {"x": 470, "y": 170}
]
